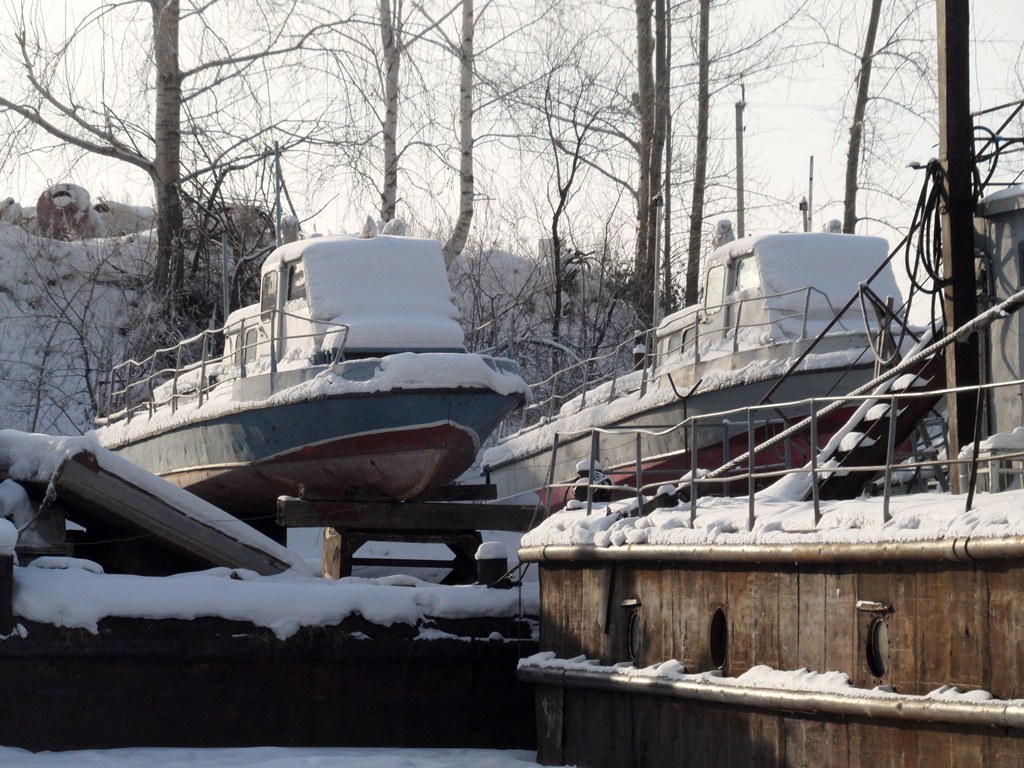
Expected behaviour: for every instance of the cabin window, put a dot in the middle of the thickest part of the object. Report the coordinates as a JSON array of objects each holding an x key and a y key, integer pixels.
[
  {"x": 746, "y": 274},
  {"x": 714, "y": 294},
  {"x": 296, "y": 282},
  {"x": 268, "y": 295},
  {"x": 246, "y": 352}
]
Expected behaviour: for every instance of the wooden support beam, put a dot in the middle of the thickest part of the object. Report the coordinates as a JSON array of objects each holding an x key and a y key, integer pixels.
[
  {"x": 91, "y": 492},
  {"x": 956, "y": 147},
  {"x": 404, "y": 515},
  {"x": 477, "y": 492}
]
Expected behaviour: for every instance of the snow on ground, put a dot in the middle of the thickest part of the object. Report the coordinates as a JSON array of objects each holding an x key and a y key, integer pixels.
[{"x": 271, "y": 757}]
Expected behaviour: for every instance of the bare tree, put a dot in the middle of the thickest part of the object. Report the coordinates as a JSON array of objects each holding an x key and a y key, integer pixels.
[
  {"x": 190, "y": 106},
  {"x": 892, "y": 58},
  {"x": 700, "y": 155},
  {"x": 857, "y": 126}
]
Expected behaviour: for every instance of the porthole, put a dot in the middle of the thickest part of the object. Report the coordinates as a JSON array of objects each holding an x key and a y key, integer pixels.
[
  {"x": 635, "y": 635},
  {"x": 878, "y": 647},
  {"x": 719, "y": 638},
  {"x": 634, "y": 628}
]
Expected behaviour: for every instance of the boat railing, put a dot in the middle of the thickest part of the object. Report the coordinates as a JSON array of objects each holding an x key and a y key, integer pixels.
[
  {"x": 576, "y": 386},
  {"x": 192, "y": 368},
  {"x": 922, "y": 459}
]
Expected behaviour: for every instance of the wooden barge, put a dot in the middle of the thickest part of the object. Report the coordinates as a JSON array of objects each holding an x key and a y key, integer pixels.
[{"x": 950, "y": 610}]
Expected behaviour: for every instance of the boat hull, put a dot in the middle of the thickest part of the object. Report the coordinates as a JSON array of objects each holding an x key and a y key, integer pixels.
[
  {"x": 397, "y": 443},
  {"x": 665, "y": 452}
]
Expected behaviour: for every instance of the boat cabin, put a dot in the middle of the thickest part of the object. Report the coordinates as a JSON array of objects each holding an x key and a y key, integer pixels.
[
  {"x": 770, "y": 289},
  {"x": 328, "y": 298}
]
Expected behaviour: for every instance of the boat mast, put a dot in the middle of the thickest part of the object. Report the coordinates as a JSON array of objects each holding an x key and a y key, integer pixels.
[{"x": 956, "y": 135}]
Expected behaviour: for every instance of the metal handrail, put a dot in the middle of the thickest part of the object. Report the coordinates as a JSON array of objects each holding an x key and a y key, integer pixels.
[
  {"x": 548, "y": 399},
  {"x": 149, "y": 376},
  {"x": 816, "y": 470}
]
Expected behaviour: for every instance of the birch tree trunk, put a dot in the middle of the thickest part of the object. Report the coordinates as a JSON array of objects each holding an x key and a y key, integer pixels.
[
  {"x": 390, "y": 30},
  {"x": 166, "y": 168},
  {"x": 658, "y": 141},
  {"x": 857, "y": 127},
  {"x": 458, "y": 238},
  {"x": 700, "y": 161},
  {"x": 644, "y": 104}
]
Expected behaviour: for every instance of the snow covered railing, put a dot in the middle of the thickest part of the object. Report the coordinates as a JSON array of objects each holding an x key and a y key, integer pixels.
[
  {"x": 795, "y": 314},
  {"x": 193, "y": 367},
  {"x": 775, "y": 478}
]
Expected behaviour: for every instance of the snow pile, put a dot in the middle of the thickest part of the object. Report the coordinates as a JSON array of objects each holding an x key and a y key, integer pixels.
[
  {"x": 78, "y": 597},
  {"x": 1004, "y": 441},
  {"x": 723, "y": 521},
  {"x": 758, "y": 677}
]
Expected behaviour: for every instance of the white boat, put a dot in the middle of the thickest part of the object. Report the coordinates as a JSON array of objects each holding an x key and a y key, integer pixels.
[
  {"x": 350, "y": 373},
  {"x": 777, "y": 320}
]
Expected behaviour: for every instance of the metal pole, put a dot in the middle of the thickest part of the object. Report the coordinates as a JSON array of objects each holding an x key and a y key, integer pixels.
[
  {"x": 225, "y": 282},
  {"x": 815, "y": 495},
  {"x": 810, "y": 197},
  {"x": 277, "y": 191},
  {"x": 890, "y": 454},
  {"x": 595, "y": 438},
  {"x": 739, "y": 161},
  {"x": 657, "y": 202},
  {"x": 639, "y": 477},
  {"x": 751, "y": 464}
]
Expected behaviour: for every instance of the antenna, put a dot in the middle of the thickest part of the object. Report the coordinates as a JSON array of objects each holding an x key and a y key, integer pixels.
[{"x": 740, "y": 231}]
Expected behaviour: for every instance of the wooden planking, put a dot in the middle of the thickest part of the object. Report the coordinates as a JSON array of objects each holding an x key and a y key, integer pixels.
[
  {"x": 787, "y": 626},
  {"x": 810, "y": 620},
  {"x": 814, "y": 624},
  {"x": 93, "y": 492},
  {"x": 621, "y": 730},
  {"x": 1005, "y": 609}
]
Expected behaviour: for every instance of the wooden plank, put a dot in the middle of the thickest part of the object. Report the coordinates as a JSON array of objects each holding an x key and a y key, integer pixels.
[
  {"x": 404, "y": 515},
  {"x": 83, "y": 485},
  {"x": 811, "y": 620},
  {"x": 475, "y": 492}
]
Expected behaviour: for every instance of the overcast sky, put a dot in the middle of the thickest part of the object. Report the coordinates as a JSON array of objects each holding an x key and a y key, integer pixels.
[{"x": 787, "y": 122}]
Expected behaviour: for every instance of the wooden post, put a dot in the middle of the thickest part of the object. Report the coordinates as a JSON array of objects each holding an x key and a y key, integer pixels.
[
  {"x": 6, "y": 594},
  {"x": 956, "y": 135}
]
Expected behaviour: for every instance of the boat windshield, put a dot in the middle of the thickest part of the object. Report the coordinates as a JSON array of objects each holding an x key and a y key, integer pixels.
[
  {"x": 746, "y": 274},
  {"x": 715, "y": 293}
]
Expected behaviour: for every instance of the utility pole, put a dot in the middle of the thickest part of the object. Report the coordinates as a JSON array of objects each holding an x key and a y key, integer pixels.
[
  {"x": 956, "y": 141},
  {"x": 810, "y": 196},
  {"x": 740, "y": 232}
]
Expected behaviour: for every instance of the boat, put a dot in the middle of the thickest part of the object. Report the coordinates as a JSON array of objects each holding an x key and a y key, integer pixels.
[
  {"x": 777, "y": 321},
  {"x": 350, "y": 374}
]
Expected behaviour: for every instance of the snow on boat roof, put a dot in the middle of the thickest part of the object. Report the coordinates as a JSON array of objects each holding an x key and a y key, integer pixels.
[
  {"x": 833, "y": 264},
  {"x": 391, "y": 291}
]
